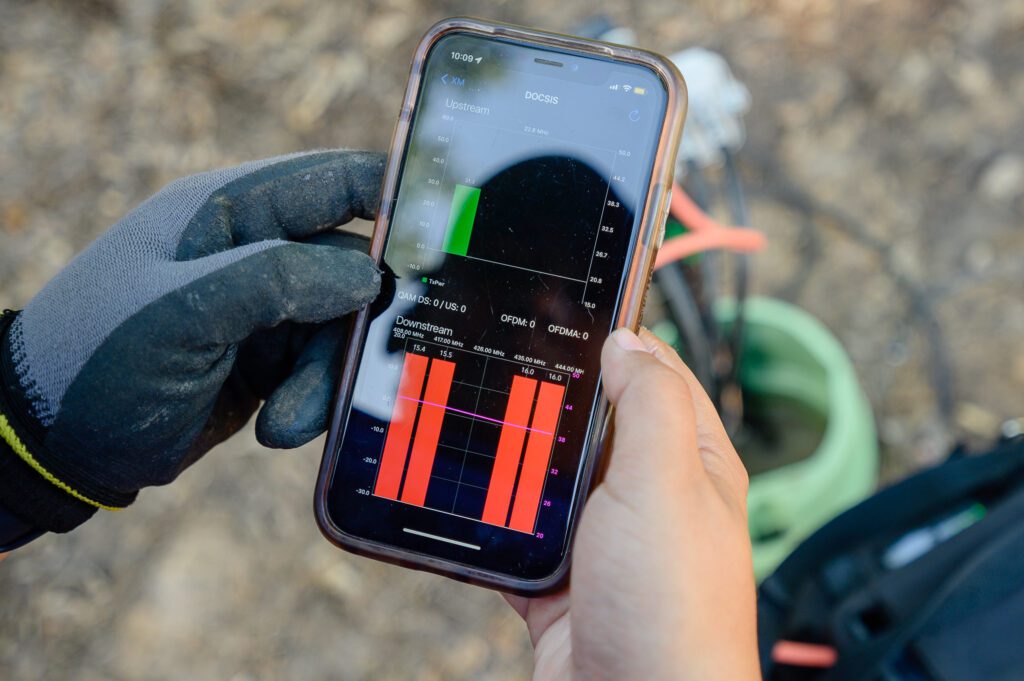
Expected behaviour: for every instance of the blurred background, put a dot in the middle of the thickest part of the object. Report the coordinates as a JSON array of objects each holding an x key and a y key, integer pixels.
[{"x": 884, "y": 160}]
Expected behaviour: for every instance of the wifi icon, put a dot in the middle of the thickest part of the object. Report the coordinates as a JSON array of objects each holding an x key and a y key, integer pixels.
[{"x": 627, "y": 88}]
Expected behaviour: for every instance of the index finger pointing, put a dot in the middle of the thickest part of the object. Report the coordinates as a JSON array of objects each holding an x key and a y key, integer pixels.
[{"x": 291, "y": 199}]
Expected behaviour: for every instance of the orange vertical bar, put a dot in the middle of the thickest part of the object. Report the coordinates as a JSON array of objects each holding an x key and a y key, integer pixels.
[
  {"x": 403, "y": 414},
  {"x": 538, "y": 454},
  {"x": 424, "y": 445},
  {"x": 510, "y": 450}
]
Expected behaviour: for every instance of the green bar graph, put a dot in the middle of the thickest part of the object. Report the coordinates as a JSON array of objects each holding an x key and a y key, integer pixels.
[{"x": 460, "y": 220}]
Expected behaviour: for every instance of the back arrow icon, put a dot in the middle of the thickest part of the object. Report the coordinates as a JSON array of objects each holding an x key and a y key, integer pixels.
[{"x": 444, "y": 79}]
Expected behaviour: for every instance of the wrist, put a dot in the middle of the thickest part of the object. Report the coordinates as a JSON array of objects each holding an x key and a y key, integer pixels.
[{"x": 29, "y": 491}]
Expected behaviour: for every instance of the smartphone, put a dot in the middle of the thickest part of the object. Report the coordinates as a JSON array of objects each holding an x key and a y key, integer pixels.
[{"x": 523, "y": 204}]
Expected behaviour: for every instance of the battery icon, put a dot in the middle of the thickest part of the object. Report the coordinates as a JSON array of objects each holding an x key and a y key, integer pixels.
[{"x": 639, "y": 90}]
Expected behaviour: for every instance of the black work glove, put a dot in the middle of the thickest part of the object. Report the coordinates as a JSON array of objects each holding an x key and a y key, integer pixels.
[{"x": 162, "y": 338}]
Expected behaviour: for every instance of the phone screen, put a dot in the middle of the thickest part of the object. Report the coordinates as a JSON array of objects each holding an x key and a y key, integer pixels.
[{"x": 520, "y": 195}]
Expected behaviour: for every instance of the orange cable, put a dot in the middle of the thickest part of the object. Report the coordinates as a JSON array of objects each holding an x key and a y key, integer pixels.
[
  {"x": 685, "y": 245},
  {"x": 686, "y": 210},
  {"x": 705, "y": 233},
  {"x": 804, "y": 654}
]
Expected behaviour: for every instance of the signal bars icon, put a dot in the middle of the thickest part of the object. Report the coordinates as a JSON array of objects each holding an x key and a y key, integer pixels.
[{"x": 635, "y": 89}]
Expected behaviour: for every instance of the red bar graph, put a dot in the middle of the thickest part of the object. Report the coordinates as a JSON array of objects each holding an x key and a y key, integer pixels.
[
  {"x": 510, "y": 450},
  {"x": 538, "y": 454},
  {"x": 396, "y": 446},
  {"x": 522, "y": 455},
  {"x": 428, "y": 430}
]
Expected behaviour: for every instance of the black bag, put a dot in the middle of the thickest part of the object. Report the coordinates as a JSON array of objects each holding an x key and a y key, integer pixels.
[{"x": 922, "y": 582}]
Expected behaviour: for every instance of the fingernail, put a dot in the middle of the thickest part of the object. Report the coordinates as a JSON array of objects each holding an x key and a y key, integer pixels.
[{"x": 627, "y": 340}]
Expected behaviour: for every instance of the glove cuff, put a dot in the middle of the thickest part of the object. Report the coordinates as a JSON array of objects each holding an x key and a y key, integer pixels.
[{"x": 28, "y": 490}]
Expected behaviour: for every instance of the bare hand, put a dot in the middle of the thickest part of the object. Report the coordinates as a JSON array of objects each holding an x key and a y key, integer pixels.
[{"x": 662, "y": 585}]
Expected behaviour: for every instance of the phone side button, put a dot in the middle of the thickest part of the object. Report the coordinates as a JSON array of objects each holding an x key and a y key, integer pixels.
[
  {"x": 664, "y": 218},
  {"x": 661, "y": 202}
]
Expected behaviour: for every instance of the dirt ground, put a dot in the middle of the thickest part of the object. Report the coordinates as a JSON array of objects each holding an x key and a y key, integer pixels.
[{"x": 885, "y": 161}]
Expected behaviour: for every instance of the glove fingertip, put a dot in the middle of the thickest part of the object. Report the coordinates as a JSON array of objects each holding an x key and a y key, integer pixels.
[{"x": 357, "y": 276}]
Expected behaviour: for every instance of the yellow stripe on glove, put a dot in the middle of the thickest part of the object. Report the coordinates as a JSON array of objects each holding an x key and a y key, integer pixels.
[{"x": 8, "y": 435}]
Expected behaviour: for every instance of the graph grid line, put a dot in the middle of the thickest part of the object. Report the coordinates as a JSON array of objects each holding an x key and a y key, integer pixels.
[
  {"x": 406, "y": 467},
  {"x": 470, "y": 414}
]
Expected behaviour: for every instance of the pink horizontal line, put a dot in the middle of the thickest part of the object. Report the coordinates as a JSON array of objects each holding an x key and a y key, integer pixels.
[{"x": 476, "y": 416}]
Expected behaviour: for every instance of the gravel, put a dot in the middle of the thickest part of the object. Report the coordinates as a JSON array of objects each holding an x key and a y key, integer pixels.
[{"x": 885, "y": 161}]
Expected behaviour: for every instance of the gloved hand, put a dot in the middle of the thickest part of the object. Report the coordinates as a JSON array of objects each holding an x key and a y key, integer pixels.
[{"x": 161, "y": 339}]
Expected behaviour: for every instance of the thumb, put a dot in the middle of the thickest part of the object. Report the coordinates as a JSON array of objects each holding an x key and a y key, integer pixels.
[
  {"x": 277, "y": 281},
  {"x": 655, "y": 422},
  {"x": 665, "y": 424}
]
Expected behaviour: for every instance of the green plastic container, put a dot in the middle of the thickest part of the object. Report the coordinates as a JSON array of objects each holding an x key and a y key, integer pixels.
[{"x": 799, "y": 382}]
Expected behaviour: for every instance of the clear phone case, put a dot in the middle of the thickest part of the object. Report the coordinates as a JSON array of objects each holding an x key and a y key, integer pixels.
[{"x": 639, "y": 269}]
